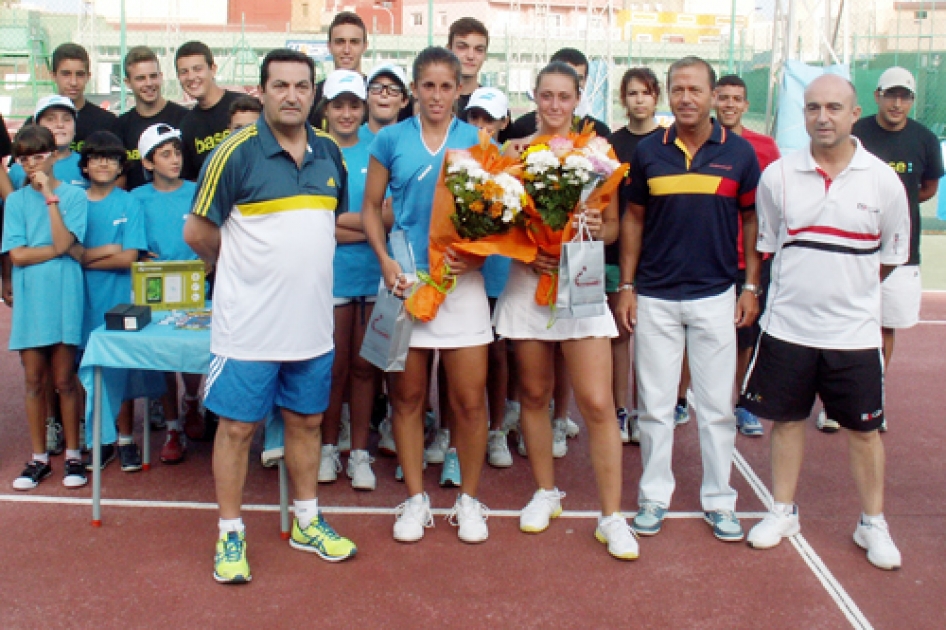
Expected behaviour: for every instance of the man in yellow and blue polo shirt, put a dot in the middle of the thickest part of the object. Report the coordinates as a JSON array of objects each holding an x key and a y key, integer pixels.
[
  {"x": 264, "y": 214},
  {"x": 689, "y": 186}
]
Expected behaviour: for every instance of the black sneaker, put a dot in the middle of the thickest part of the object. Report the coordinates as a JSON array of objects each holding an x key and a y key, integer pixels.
[
  {"x": 130, "y": 457},
  {"x": 108, "y": 454},
  {"x": 74, "y": 476},
  {"x": 34, "y": 472}
]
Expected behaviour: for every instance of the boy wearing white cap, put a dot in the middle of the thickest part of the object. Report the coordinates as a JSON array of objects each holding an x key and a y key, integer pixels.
[
  {"x": 165, "y": 205},
  {"x": 388, "y": 94},
  {"x": 488, "y": 109},
  {"x": 914, "y": 152}
]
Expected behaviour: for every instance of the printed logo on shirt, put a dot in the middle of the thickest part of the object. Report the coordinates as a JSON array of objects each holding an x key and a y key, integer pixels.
[
  {"x": 330, "y": 182},
  {"x": 867, "y": 417},
  {"x": 866, "y": 208},
  {"x": 120, "y": 221},
  {"x": 724, "y": 167},
  {"x": 208, "y": 144},
  {"x": 902, "y": 167}
]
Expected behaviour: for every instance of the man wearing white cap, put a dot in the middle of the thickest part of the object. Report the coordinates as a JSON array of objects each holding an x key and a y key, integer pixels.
[{"x": 915, "y": 154}]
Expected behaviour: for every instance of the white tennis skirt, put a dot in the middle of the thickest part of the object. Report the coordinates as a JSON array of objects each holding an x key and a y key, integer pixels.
[
  {"x": 517, "y": 315},
  {"x": 461, "y": 322}
]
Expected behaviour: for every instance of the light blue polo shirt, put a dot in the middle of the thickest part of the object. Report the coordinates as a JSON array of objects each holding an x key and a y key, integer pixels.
[
  {"x": 115, "y": 219},
  {"x": 165, "y": 214},
  {"x": 414, "y": 171},
  {"x": 49, "y": 296}
]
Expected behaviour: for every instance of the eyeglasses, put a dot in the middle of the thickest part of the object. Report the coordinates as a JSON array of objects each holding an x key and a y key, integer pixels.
[
  {"x": 105, "y": 160},
  {"x": 36, "y": 158},
  {"x": 380, "y": 88}
]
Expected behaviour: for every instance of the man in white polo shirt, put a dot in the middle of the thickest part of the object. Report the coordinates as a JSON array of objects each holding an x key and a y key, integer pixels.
[{"x": 837, "y": 220}]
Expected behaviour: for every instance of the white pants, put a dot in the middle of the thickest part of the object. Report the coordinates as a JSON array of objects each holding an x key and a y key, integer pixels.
[{"x": 705, "y": 328}]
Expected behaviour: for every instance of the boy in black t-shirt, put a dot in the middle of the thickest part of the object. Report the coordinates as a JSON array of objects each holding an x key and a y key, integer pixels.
[
  {"x": 208, "y": 123},
  {"x": 71, "y": 74},
  {"x": 144, "y": 78},
  {"x": 915, "y": 154}
]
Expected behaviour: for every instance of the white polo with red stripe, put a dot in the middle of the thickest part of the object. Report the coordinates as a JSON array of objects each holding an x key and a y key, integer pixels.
[{"x": 830, "y": 238}]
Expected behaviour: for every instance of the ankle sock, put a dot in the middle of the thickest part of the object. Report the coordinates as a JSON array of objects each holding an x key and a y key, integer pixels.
[
  {"x": 870, "y": 520},
  {"x": 306, "y": 511},
  {"x": 173, "y": 425},
  {"x": 125, "y": 440},
  {"x": 41, "y": 457},
  {"x": 785, "y": 509},
  {"x": 74, "y": 453},
  {"x": 226, "y": 525}
]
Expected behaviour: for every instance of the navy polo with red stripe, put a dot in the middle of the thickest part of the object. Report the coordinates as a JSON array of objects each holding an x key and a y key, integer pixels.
[{"x": 692, "y": 206}]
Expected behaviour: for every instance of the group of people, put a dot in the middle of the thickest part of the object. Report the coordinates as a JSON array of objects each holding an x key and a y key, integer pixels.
[{"x": 296, "y": 195}]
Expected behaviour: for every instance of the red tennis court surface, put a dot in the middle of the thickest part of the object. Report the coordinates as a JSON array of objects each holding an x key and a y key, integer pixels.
[{"x": 150, "y": 564}]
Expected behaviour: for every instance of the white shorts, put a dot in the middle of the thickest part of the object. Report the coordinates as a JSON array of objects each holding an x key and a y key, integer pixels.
[
  {"x": 462, "y": 320},
  {"x": 900, "y": 297}
]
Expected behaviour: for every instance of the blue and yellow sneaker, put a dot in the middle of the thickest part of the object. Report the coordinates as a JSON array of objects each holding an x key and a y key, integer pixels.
[
  {"x": 320, "y": 538},
  {"x": 230, "y": 565}
]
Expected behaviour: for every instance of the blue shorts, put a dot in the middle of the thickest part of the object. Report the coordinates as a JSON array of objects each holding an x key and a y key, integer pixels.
[{"x": 246, "y": 391}]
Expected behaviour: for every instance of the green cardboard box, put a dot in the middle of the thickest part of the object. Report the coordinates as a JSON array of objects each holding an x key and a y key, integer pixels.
[{"x": 168, "y": 285}]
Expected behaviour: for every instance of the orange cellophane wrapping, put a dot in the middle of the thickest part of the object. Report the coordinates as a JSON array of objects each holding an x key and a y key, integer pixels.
[
  {"x": 424, "y": 302},
  {"x": 550, "y": 241}
]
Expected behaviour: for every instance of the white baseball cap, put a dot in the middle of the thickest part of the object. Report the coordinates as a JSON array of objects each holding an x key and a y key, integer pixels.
[
  {"x": 155, "y": 135},
  {"x": 342, "y": 81},
  {"x": 396, "y": 72},
  {"x": 896, "y": 77},
  {"x": 491, "y": 100},
  {"x": 53, "y": 100}
]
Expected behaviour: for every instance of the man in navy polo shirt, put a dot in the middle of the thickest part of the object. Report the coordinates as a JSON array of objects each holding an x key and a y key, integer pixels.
[{"x": 689, "y": 186}]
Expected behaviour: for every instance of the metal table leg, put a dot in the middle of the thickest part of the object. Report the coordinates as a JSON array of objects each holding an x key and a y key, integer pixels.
[
  {"x": 146, "y": 437},
  {"x": 283, "y": 500},
  {"x": 97, "y": 448}
]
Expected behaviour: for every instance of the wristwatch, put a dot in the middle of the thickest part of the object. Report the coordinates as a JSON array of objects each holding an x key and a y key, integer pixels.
[
  {"x": 754, "y": 289},
  {"x": 625, "y": 286}
]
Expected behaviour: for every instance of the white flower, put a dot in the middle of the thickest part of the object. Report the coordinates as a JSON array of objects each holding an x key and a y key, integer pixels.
[{"x": 471, "y": 185}]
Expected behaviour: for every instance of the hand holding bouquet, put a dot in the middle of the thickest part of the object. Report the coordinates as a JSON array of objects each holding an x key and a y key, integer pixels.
[
  {"x": 477, "y": 211},
  {"x": 561, "y": 175}
]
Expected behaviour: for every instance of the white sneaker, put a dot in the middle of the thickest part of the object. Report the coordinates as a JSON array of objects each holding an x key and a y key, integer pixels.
[
  {"x": 470, "y": 516},
  {"x": 635, "y": 427},
  {"x": 330, "y": 465},
  {"x": 559, "y": 437},
  {"x": 615, "y": 532},
  {"x": 776, "y": 525},
  {"x": 359, "y": 471},
  {"x": 413, "y": 516},
  {"x": 344, "y": 433},
  {"x": 544, "y": 506},
  {"x": 270, "y": 458},
  {"x": 386, "y": 445},
  {"x": 826, "y": 424},
  {"x": 571, "y": 428},
  {"x": 498, "y": 450},
  {"x": 437, "y": 451},
  {"x": 875, "y": 538},
  {"x": 511, "y": 417}
]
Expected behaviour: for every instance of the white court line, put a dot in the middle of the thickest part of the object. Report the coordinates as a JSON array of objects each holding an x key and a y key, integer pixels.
[
  {"x": 808, "y": 554},
  {"x": 353, "y": 510},
  {"x": 931, "y": 322}
]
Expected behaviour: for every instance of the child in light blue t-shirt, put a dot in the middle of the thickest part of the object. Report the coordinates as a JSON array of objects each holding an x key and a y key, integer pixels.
[
  {"x": 165, "y": 205},
  {"x": 58, "y": 114},
  {"x": 114, "y": 237},
  {"x": 43, "y": 224}
]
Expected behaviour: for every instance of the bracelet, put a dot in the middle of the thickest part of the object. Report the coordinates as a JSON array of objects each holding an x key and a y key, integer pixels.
[
  {"x": 51, "y": 200},
  {"x": 754, "y": 289},
  {"x": 626, "y": 286}
]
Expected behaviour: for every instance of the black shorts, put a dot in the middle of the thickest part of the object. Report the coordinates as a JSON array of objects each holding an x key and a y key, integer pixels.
[
  {"x": 784, "y": 379},
  {"x": 747, "y": 337}
]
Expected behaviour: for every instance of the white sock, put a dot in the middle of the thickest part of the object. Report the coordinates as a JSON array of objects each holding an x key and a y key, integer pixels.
[
  {"x": 784, "y": 509},
  {"x": 41, "y": 457},
  {"x": 417, "y": 499},
  {"x": 870, "y": 520},
  {"x": 73, "y": 453},
  {"x": 173, "y": 425},
  {"x": 306, "y": 511},
  {"x": 513, "y": 404},
  {"x": 226, "y": 525},
  {"x": 125, "y": 440}
]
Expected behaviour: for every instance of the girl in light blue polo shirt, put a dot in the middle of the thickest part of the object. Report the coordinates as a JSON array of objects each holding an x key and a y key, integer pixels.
[
  {"x": 42, "y": 226},
  {"x": 355, "y": 286},
  {"x": 408, "y": 157},
  {"x": 114, "y": 237}
]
